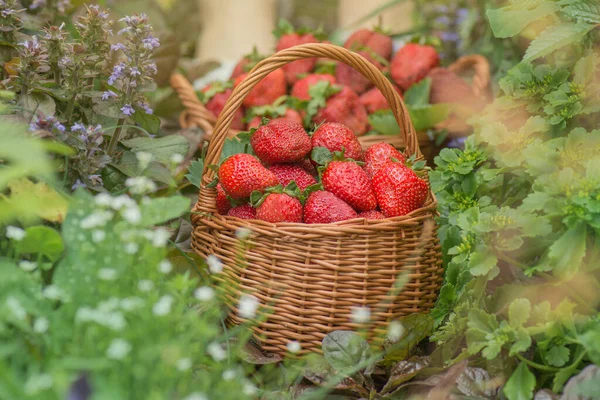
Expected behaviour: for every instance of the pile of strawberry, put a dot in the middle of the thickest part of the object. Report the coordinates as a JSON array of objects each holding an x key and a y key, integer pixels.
[
  {"x": 312, "y": 91},
  {"x": 323, "y": 177}
]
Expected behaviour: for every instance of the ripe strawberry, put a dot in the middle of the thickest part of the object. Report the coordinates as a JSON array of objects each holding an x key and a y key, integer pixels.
[
  {"x": 280, "y": 207},
  {"x": 241, "y": 174},
  {"x": 348, "y": 181},
  {"x": 300, "y": 88},
  {"x": 281, "y": 141},
  {"x": 373, "y": 100},
  {"x": 289, "y": 114},
  {"x": 290, "y": 38},
  {"x": 215, "y": 95},
  {"x": 223, "y": 204},
  {"x": 373, "y": 214},
  {"x": 287, "y": 173},
  {"x": 375, "y": 47},
  {"x": 378, "y": 155},
  {"x": 412, "y": 63},
  {"x": 266, "y": 91},
  {"x": 399, "y": 190},
  {"x": 337, "y": 137},
  {"x": 245, "y": 211},
  {"x": 323, "y": 207},
  {"x": 246, "y": 63},
  {"x": 345, "y": 108}
]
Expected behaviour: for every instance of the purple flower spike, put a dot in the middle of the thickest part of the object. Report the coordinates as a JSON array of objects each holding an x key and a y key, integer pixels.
[
  {"x": 78, "y": 127},
  {"x": 108, "y": 94},
  {"x": 117, "y": 47},
  {"x": 151, "y": 42},
  {"x": 127, "y": 110}
]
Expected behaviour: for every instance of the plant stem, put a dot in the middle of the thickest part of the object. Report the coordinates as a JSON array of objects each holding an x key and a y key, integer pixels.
[
  {"x": 535, "y": 365},
  {"x": 112, "y": 145},
  {"x": 71, "y": 107}
]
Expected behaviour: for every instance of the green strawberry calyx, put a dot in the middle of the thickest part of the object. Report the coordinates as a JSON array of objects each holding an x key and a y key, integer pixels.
[
  {"x": 292, "y": 190},
  {"x": 319, "y": 93},
  {"x": 214, "y": 88}
]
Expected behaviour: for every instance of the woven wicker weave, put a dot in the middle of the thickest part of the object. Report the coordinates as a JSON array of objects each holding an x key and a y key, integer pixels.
[{"x": 308, "y": 278}]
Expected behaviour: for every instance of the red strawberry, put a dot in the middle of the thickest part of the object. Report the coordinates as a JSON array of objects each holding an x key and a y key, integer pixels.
[
  {"x": 289, "y": 114},
  {"x": 289, "y": 38},
  {"x": 412, "y": 63},
  {"x": 345, "y": 108},
  {"x": 281, "y": 141},
  {"x": 373, "y": 214},
  {"x": 399, "y": 190},
  {"x": 373, "y": 100},
  {"x": 223, "y": 204},
  {"x": 335, "y": 137},
  {"x": 246, "y": 63},
  {"x": 280, "y": 207},
  {"x": 378, "y": 155},
  {"x": 323, "y": 207},
  {"x": 215, "y": 96},
  {"x": 348, "y": 181},
  {"x": 287, "y": 173},
  {"x": 375, "y": 47},
  {"x": 245, "y": 211},
  {"x": 241, "y": 174},
  {"x": 300, "y": 88},
  {"x": 266, "y": 91}
]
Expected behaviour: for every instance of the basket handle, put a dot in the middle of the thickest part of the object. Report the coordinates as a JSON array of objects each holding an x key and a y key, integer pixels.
[
  {"x": 207, "y": 197},
  {"x": 481, "y": 68}
]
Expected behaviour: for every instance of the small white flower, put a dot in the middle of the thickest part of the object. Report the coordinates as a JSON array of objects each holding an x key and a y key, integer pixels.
[
  {"x": 163, "y": 305},
  {"x": 108, "y": 305},
  {"x": 38, "y": 383},
  {"x": 247, "y": 306},
  {"x": 229, "y": 375},
  {"x": 27, "y": 266},
  {"x": 176, "y": 158},
  {"x": 165, "y": 266},
  {"x": 215, "y": 265},
  {"x": 40, "y": 325},
  {"x": 196, "y": 396},
  {"x": 204, "y": 293},
  {"x": 98, "y": 236},
  {"x": 132, "y": 215},
  {"x": 107, "y": 274},
  {"x": 131, "y": 303},
  {"x": 144, "y": 159},
  {"x": 249, "y": 389},
  {"x": 123, "y": 201},
  {"x": 16, "y": 308},
  {"x": 103, "y": 199},
  {"x": 215, "y": 350},
  {"x": 140, "y": 185},
  {"x": 15, "y": 233},
  {"x": 183, "y": 364},
  {"x": 145, "y": 285},
  {"x": 242, "y": 233},
  {"x": 395, "y": 331},
  {"x": 52, "y": 292},
  {"x": 96, "y": 219},
  {"x": 118, "y": 349},
  {"x": 131, "y": 248},
  {"x": 361, "y": 315},
  {"x": 160, "y": 237},
  {"x": 293, "y": 346}
]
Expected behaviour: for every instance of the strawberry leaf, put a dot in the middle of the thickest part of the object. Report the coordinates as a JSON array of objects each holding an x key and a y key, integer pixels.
[
  {"x": 319, "y": 93},
  {"x": 284, "y": 27},
  {"x": 321, "y": 155},
  {"x": 257, "y": 198},
  {"x": 214, "y": 88}
]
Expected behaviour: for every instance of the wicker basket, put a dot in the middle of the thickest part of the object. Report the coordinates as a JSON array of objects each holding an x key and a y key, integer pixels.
[{"x": 309, "y": 277}]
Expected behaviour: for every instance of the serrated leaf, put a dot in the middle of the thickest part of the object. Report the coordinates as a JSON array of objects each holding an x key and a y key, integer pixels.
[
  {"x": 585, "y": 68},
  {"x": 591, "y": 342},
  {"x": 583, "y": 10},
  {"x": 194, "y": 174},
  {"x": 520, "y": 385},
  {"x": 384, "y": 122},
  {"x": 510, "y": 21},
  {"x": 235, "y": 146},
  {"x": 555, "y": 38},
  {"x": 481, "y": 263},
  {"x": 418, "y": 94},
  {"x": 345, "y": 350},
  {"x": 162, "y": 149},
  {"x": 519, "y": 312},
  {"x": 321, "y": 155},
  {"x": 568, "y": 251},
  {"x": 149, "y": 122},
  {"x": 557, "y": 356},
  {"x": 427, "y": 116}
]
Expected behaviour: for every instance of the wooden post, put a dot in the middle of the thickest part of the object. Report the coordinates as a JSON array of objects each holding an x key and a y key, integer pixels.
[{"x": 396, "y": 18}]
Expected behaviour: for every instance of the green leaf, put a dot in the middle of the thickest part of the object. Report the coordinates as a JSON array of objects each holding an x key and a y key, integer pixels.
[
  {"x": 583, "y": 10},
  {"x": 163, "y": 209},
  {"x": 345, "y": 350},
  {"x": 482, "y": 262},
  {"x": 557, "y": 356},
  {"x": 149, "y": 122},
  {"x": 520, "y": 385},
  {"x": 519, "y": 312},
  {"x": 107, "y": 108},
  {"x": 235, "y": 146},
  {"x": 555, "y": 38},
  {"x": 42, "y": 240},
  {"x": 591, "y": 342},
  {"x": 321, "y": 155},
  {"x": 416, "y": 328},
  {"x": 427, "y": 116},
  {"x": 130, "y": 166},
  {"x": 418, "y": 94},
  {"x": 510, "y": 21},
  {"x": 585, "y": 68},
  {"x": 38, "y": 103},
  {"x": 384, "y": 122},
  {"x": 568, "y": 251},
  {"x": 162, "y": 149},
  {"x": 194, "y": 174}
]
